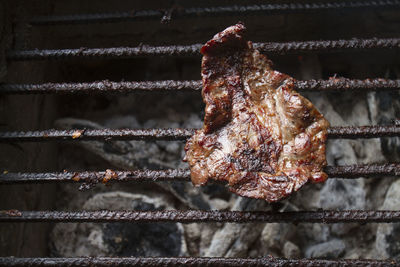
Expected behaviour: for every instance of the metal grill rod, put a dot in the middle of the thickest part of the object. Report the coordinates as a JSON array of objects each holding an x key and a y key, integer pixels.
[
  {"x": 345, "y": 132},
  {"x": 350, "y": 171},
  {"x": 191, "y": 216},
  {"x": 181, "y": 12},
  {"x": 156, "y": 262},
  {"x": 105, "y": 86},
  {"x": 193, "y": 50}
]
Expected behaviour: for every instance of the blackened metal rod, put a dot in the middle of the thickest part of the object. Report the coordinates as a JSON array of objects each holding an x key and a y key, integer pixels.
[
  {"x": 333, "y": 84},
  {"x": 193, "y": 50},
  {"x": 344, "y": 84},
  {"x": 366, "y": 170},
  {"x": 346, "y": 132},
  {"x": 99, "y": 176},
  {"x": 191, "y": 216},
  {"x": 350, "y": 132},
  {"x": 99, "y": 134},
  {"x": 350, "y": 171},
  {"x": 182, "y": 12},
  {"x": 102, "y": 87},
  {"x": 99, "y": 53},
  {"x": 189, "y": 261}
]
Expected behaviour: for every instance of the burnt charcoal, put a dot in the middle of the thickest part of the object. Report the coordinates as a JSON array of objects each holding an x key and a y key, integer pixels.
[
  {"x": 143, "y": 239},
  {"x": 216, "y": 191}
]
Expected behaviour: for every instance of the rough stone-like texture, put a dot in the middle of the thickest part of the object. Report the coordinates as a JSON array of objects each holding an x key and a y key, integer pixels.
[
  {"x": 328, "y": 250},
  {"x": 274, "y": 235},
  {"x": 193, "y": 235},
  {"x": 388, "y": 235},
  {"x": 233, "y": 240},
  {"x": 291, "y": 251},
  {"x": 120, "y": 239}
]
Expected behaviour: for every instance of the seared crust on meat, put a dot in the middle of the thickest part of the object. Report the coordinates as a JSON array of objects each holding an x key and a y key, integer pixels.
[{"x": 259, "y": 134}]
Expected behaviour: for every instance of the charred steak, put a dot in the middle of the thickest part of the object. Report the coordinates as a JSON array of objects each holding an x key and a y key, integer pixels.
[{"x": 259, "y": 134}]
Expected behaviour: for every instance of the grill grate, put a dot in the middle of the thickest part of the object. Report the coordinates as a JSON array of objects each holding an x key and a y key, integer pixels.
[
  {"x": 229, "y": 262},
  {"x": 181, "y": 12},
  {"x": 189, "y": 216},
  {"x": 350, "y": 171},
  {"x": 345, "y": 132},
  {"x": 190, "y": 50},
  {"x": 334, "y": 84}
]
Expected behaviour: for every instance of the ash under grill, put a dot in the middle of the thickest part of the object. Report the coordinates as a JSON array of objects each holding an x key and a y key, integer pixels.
[{"x": 19, "y": 135}]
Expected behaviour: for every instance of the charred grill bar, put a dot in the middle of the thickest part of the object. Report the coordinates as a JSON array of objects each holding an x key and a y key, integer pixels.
[
  {"x": 221, "y": 262},
  {"x": 350, "y": 171},
  {"x": 346, "y": 132},
  {"x": 333, "y": 84},
  {"x": 110, "y": 87},
  {"x": 181, "y": 12},
  {"x": 191, "y": 216},
  {"x": 193, "y": 50},
  {"x": 103, "y": 134}
]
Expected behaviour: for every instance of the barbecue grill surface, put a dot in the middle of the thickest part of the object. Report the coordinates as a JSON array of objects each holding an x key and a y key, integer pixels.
[{"x": 99, "y": 60}]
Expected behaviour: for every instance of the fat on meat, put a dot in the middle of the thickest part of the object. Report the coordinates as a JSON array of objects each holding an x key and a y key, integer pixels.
[{"x": 259, "y": 134}]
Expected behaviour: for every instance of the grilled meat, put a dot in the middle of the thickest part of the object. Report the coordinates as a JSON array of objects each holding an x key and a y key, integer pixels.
[{"x": 259, "y": 134}]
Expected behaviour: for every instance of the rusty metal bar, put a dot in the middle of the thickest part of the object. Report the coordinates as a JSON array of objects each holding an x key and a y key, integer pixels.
[
  {"x": 333, "y": 84},
  {"x": 344, "y": 84},
  {"x": 349, "y": 132},
  {"x": 189, "y": 261},
  {"x": 182, "y": 12},
  {"x": 102, "y": 134},
  {"x": 328, "y": 45},
  {"x": 98, "y": 177},
  {"x": 366, "y": 170},
  {"x": 346, "y": 132},
  {"x": 350, "y": 171},
  {"x": 193, "y": 50},
  {"x": 99, "y": 53},
  {"x": 104, "y": 87},
  {"x": 191, "y": 216}
]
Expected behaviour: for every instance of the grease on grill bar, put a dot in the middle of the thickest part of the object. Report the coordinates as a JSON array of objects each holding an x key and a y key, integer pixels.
[
  {"x": 350, "y": 171},
  {"x": 190, "y": 50},
  {"x": 188, "y": 261},
  {"x": 181, "y": 12},
  {"x": 190, "y": 216},
  {"x": 105, "y": 86},
  {"x": 346, "y": 132}
]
